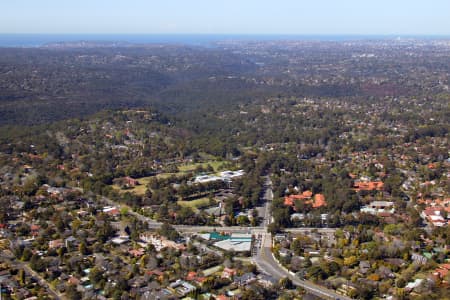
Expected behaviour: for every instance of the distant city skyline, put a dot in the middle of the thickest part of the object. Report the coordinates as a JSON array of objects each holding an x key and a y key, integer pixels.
[{"x": 289, "y": 17}]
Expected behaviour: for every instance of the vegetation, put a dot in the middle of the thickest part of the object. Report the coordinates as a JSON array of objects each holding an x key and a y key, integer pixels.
[{"x": 353, "y": 139}]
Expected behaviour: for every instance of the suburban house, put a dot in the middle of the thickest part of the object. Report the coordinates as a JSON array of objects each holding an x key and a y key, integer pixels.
[
  {"x": 55, "y": 244},
  {"x": 368, "y": 186},
  {"x": 307, "y": 197},
  {"x": 126, "y": 182},
  {"x": 434, "y": 216},
  {"x": 228, "y": 273},
  {"x": 419, "y": 259},
  {"x": 442, "y": 271},
  {"x": 379, "y": 207},
  {"x": 159, "y": 242},
  {"x": 181, "y": 288},
  {"x": 245, "y": 279},
  {"x": 111, "y": 210}
]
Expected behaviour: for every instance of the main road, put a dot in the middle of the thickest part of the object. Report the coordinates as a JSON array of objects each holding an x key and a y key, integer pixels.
[
  {"x": 152, "y": 224},
  {"x": 30, "y": 272},
  {"x": 266, "y": 262}
]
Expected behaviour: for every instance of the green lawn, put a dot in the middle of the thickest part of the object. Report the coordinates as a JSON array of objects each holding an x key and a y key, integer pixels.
[
  {"x": 195, "y": 204},
  {"x": 191, "y": 167},
  {"x": 213, "y": 270},
  {"x": 183, "y": 169},
  {"x": 186, "y": 168},
  {"x": 138, "y": 190},
  {"x": 165, "y": 175}
]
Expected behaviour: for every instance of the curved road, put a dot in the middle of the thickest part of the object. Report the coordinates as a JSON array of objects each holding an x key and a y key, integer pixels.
[
  {"x": 267, "y": 263},
  {"x": 30, "y": 272},
  {"x": 264, "y": 260}
]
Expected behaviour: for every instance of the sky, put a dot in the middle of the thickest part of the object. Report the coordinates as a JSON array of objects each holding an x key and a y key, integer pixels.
[{"x": 301, "y": 17}]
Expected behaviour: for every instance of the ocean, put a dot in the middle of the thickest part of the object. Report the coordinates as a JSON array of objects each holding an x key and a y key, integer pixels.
[{"x": 37, "y": 40}]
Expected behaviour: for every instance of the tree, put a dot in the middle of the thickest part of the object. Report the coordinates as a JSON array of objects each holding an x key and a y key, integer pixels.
[
  {"x": 122, "y": 285},
  {"x": 37, "y": 263},
  {"x": 76, "y": 224},
  {"x": 96, "y": 275},
  {"x": 72, "y": 293},
  {"x": 273, "y": 228},
  {"x": 83, "y": 248},
  {"x": 350, "y": 261},
  {"x": 61, "y": 251},
  {"x": 105, "y": 232},
  {"x": 285, "y": 283},
  {"x": 316, "y": 273},
  {"x": 26, "y": 254},
  {"x": 21, "y": 277},
  {"x": 31, "y": 184},
  {"x": 242, "y": 220},
  {"x": 168, "y": 231},
  {"x": 401, "y": 282},
  {"x": 249, "y": 294}
]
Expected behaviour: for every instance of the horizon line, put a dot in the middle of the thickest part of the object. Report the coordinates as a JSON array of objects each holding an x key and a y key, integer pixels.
[{"x": 242, "y": 34}]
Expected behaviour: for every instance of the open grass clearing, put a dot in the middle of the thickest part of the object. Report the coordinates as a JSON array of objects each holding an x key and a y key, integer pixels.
[
  {"x": 194, "y": 204},
  {"x": 183, "y": 169},
  {"x": 186, "y": 168},
  {"x": 215, "y": 164},
  {"x": 138, "y": 190},
  {"x": 213, "y": 270}
]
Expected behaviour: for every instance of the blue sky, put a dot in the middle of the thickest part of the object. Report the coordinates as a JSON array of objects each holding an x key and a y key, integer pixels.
[{"x": 391, "y": 17}]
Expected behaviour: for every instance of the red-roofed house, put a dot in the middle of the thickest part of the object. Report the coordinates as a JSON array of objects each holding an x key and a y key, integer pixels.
[
  {"x": 35, "y": 229},
  {"x": 73, "y": 280},
  {"x": 317, "y": 201},
  {"x": 434, "y": 216},
  {"x": 137, "y": 252},
  {"x": 368, "y": 186},
  {"x": 111, "y": 210},
  {"x": 228, "y": 273},
  {"x": 191, "y": 276},
  {"x": 55, "y": 244},
  {"x": 126, "y": 181},
  {"x": 200, "y": 280},
  {"x": 442, "y": 271},
  {"x": 157, "y": 273}
]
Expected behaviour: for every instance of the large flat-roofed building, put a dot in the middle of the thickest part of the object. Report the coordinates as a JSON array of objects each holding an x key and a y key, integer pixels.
[
  {"x": 378, "y": 207},
  {"x": 224, "y": 176},
  {"x": 237, "y": 242}
]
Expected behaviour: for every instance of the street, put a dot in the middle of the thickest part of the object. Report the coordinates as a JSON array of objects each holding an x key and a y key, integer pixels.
[
  {"x": 266, "y": 262},
  {"x": 261, "y": 254},
  {"x": 30, "y": 272}
]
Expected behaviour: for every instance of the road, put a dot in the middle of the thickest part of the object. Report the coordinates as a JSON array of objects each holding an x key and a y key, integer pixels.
[
  {"x": 30, "y": 272},
  {"x": 266, "y": 262},
  {"x": 264, "y": 258},
  {"x": 152, "y": 224},
  {"x": 268, "y": 198}
]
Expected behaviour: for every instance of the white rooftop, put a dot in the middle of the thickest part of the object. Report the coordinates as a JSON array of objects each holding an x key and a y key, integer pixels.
[{"x": 237, "y": 246}]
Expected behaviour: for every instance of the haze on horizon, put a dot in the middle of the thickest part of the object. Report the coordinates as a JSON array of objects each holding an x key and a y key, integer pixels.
[{"x": 321, "y": 17}]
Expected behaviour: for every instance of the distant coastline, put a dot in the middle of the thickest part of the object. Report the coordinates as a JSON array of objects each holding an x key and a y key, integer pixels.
[{"x": 38, "y": 40}]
